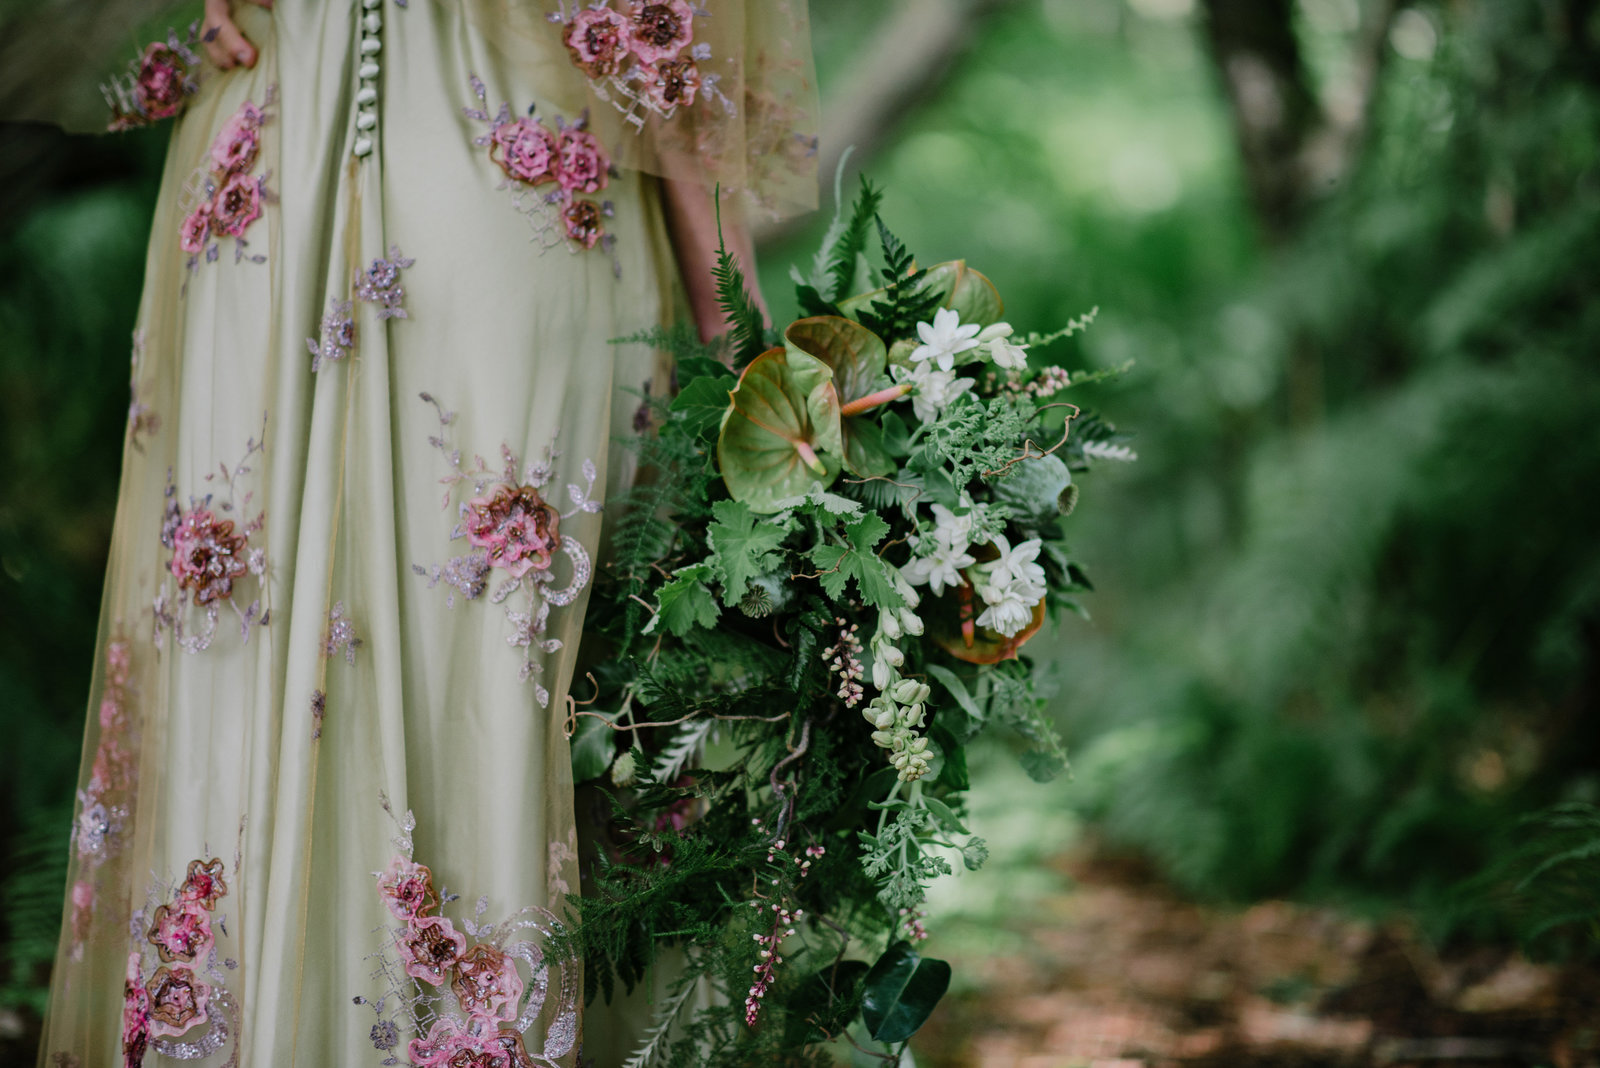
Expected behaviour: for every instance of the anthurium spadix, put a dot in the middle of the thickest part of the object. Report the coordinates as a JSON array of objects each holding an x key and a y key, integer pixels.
[
  {"x": 858, "y": 359},
  {"x": 781, "y": 431}
]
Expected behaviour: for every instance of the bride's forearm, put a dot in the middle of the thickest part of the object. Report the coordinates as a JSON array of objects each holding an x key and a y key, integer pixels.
[{"x": 692, "y": 222}]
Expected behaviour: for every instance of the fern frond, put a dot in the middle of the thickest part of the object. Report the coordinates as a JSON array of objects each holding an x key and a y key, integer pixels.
[
  {"x": 746, "y": 324},
  {"x": 671, "y": 761},
  {"x": 1074, "y": 326},
  {"x": 680, "y": 340},
  {"x": 852, "y": 242},
  {"x": 1106, "y": 450},
  {"x": 654, "y": 1040}
]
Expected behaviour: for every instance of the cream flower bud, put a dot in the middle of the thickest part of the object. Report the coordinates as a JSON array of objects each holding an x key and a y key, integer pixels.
[
  {"x": 994, "y": 332},
  {"x": 889, "y": 625}
]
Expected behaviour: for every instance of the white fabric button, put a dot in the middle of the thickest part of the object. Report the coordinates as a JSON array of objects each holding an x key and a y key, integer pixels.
[
  {"x": 367, "y": 95},
  {"x": 370, "y": 45},
  {"x": 373, "y": 22},
  {"x": 363, "y": 146},
  {"x": 366, "y": 120},
  {"x": 369, "y": 71}
]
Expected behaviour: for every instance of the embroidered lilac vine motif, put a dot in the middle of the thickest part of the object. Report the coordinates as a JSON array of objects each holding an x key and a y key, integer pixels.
[
  {"x": 183, "y": 988},
  {"x": 337, "y": 333},
  {"x": 568, "y": 158},
  {"x": 380, "y": 284},
  {"x": 224, "y": 198},
  {"x": 480, "y": 1002},
  {"x": 642, "y": 59},
  {"x": 512, "y": 527},
  {"x": 157, "y": 84},
  {"x": 341, "y": 636},
  {"x": 210, "y": 554}
]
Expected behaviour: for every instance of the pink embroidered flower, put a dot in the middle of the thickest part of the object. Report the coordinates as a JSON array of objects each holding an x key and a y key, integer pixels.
[
  {"x": 207, "y": 556},
  {"x": 597, "y": 37},
  {"x": 672, "y": 83},
  {"x": 407, "y": 888},
  {"x": 525, "y": 150},
  {"x": 203, "y": 884},
  {"x": 583, "y": 162},
  {"x": 238, "y": 141},
  {"x": 516, "y": 526},
  {"x": 487, "y": 984},
  {"x": 583, "y": 222},
  {"x": 659, "y": 31},
  {"x": 118, "y": 662},
  {"x": 181, "y": 931},
  {"x": 429, "y": 947},
  {"x": 135, "y": 1016},
  {"x": 236, "y": 204},
  {"x": 162, "y": 83},
  {"x": 196, "y": 229},
  {"x": 177, "y": 1001},
  {"x": 435, "y": 1049}
]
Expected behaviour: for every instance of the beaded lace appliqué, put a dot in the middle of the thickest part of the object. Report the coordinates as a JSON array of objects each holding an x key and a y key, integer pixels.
[
  {"x": 472, "y": 1004},
  {"x": 512, "y": 528},
  {"x": 211, "y": 554},
  {"x": 156, "y": 85},
  {"x": 224, "y": 197},
  {"x": 641, "y": 57},
  {"x": 546, "y": 171},
  {"x": 175, "y": 998}
]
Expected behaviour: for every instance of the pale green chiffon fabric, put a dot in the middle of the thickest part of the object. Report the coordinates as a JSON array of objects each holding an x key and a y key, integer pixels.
[{"x": 229, "y": 758}]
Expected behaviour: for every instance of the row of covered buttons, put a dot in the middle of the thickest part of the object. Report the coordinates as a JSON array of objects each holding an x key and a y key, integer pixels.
[{"x": 367, "y": 95}]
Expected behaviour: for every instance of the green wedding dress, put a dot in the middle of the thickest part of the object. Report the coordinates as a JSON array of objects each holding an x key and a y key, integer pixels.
[{"x": 325, "y": 814}]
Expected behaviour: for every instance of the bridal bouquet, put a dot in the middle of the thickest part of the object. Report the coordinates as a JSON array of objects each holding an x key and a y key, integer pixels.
[{"x": 818, "y": 596}]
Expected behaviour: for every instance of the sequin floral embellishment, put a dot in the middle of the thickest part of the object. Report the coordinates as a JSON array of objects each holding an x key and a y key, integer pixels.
[
  {"x": 641, "y": 57},
  {"x": 487, "y": 996},
  {"x": 106, "y": 802},
  {"x": 226, "y": 197},
  {"x": 210, "y": 554},
  {"x": 512, "y": 527},
  {"x": 380, "y": 284},
  {"x": 165, "y": 1002},
  {"x": 156, "y": 85},
  {"x": 569, "y": 160}
]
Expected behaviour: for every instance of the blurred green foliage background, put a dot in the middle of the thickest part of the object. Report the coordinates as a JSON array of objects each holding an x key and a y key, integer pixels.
[{"x": 1346, "y": 643}]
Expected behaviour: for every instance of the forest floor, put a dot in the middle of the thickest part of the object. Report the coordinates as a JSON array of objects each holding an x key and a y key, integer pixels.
[{"x": 1113, "y": 970}]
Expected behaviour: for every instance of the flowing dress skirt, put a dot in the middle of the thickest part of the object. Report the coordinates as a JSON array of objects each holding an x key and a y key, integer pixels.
[{"x": 342, "y": 595}]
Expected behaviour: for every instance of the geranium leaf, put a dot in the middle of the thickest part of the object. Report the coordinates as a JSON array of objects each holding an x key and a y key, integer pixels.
[
  {"x": 744, "y": 547},
  {"x": 781, "y": 426},
  {"x": 840, "y": 563},
  {"x": 684, "y": 602},
  {"x": 900, "y": 991}
]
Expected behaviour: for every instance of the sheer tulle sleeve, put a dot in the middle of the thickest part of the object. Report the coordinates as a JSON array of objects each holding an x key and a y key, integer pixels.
[{"x": 717, "y": 92}]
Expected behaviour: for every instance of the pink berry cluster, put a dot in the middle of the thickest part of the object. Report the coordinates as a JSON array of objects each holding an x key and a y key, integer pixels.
[
  {"x": 844, "y": 660},
  {"x": 783, "y": 921},
  {"x": 1049, "y": 381},
  {"x": 911, "y": 924}
]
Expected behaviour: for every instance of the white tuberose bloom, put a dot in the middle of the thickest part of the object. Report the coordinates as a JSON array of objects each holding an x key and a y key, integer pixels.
[
  {"x": 1011, "y": 586},
  {"x": 940, "y": 568},
  {"x": 933, "y": 390},
  {"x": 944, "y": 338},
  {"x": 996, "y": 340}
]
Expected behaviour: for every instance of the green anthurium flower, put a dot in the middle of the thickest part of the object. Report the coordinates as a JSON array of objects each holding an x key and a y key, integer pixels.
[
  {"x": 970, "y": 294},
  {"x": 967, "y": 292},
  {"x": 781, "y": 430},
  {"x": 857, "y": 358}
]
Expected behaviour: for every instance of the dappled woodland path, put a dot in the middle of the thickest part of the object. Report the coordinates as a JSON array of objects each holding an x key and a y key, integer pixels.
[{"x": 1120, "y": 973}]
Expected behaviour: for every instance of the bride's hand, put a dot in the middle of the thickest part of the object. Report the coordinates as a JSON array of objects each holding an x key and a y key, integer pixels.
[{"x": 226, "y": 45}]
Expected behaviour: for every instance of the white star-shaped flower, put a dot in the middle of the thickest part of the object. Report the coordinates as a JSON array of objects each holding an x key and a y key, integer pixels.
[{"x": 944, "y": 339}]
